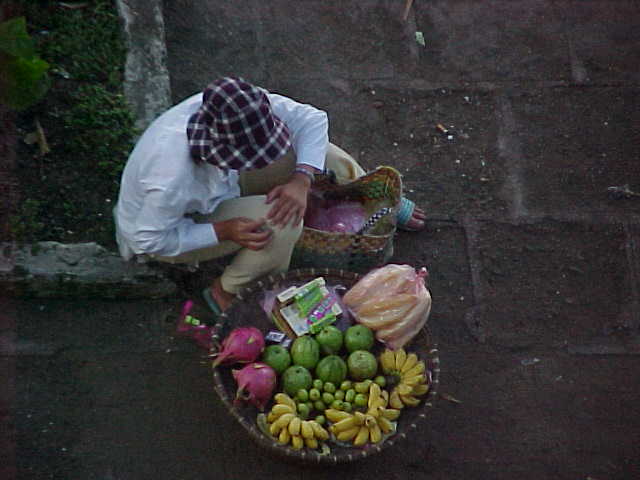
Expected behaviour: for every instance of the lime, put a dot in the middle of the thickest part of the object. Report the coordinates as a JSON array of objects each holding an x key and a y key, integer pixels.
[
  {"x": 362, "y": 387},
  {"x": 337, "y": 404},
  {"x": 330, "y": 340},
  {"x": 277, "y": 357},
  {"x": 380, "y": 380},
  {"x": 362, "y": 365},
  {"x": 327, "y": 398},
  {"x": 303, "y": 410},
  {"x": 329, "y": 387},
  {"x": 320, "y": 419},
  {"x": 296, "y": 378},
  {"x": 346, "y": 406},
  {"x": 350, "y": 395},
  {"x": 346, "y": 385},
  {"x": 358, "y": 337},
  {"x": 360, "y": 400},
  {"x": 320, "y": 406},
  {"x": 317, "y": 383},
  {"x": 314, "y": 394},
  {"x": 339, "y": 395},
  {"x": 302, "y": 395}
]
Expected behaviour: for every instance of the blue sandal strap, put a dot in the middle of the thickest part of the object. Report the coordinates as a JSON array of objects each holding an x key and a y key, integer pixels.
[
  {"x": 213, "y": 305},
  {"x": 405, "y": 212}
]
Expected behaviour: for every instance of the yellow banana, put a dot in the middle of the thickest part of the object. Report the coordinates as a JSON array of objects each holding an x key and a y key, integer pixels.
[
  {"x": 272, "y": 417},
  {"x": 274, "y": 429},
  {"x": 375, "y": 435},
  {"x": 421, "y": 389},
  {"x": 374, "y": 394},
  {"x": 417, "y": 369},
  {"x": 370, "y": 421},
  {"x": 294, "y": 426},
  {"x": 306, "y": 430},
  {"x": 415, "y": 380},
  {"x": 297, "y": 442},
  {"x": 311, "y": 442},
  {"x": 344, "y": 424},
  {"x": 409, "y": 400},
  {"x": 284, "y": 437},
  {"x": 362, "y": 436},
  {"x": 285, "y": 399},
  {"x": 394, "y": 400},
  {"x": 376, "y": 411},
  {"x": 334, "y": 415},
  {"x": 359, "y": 417},
  {"x": 388, "y": 361},
  {"x": 385, "y": 395},
  {"x": 284, "y": 420},
  {"x": 391, "y": 413},
  {"x": 385, "y": 424},
  {"x": 318, "y": 430},
  {"x": 409, "y": 363},
  {"x": 401, "y": 357},
  {"x": 404, "y": 389},
  {"x": 347, "y": 435},
  {"x": 280, "y": 409}
]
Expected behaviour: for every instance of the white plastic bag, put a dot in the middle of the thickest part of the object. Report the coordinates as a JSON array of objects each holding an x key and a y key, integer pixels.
[{"x": 393, "y": 301}]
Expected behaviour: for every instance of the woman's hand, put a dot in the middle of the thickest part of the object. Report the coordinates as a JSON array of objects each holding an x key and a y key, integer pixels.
[
  {"x": 251, "y": 234},
  {"x": 289, "y": 200}
]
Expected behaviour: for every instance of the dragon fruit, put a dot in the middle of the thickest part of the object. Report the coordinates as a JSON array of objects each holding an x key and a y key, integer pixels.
[
  {"x": 242, "y": 345},
  {"x": 256, "y": 383}
]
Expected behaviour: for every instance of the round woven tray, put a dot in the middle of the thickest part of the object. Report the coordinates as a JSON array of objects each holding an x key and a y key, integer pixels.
[{"x": 246, "y": 310}]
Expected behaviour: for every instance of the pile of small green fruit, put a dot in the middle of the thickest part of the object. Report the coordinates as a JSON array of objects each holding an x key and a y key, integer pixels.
[{"x": 332, "y": 369}]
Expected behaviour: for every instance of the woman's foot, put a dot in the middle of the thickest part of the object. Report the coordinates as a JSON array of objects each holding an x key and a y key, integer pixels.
[
  {"x": 410, "y": 217},
  {"x": 221, "y": 297},
  {"x": 417, "y": 220}
]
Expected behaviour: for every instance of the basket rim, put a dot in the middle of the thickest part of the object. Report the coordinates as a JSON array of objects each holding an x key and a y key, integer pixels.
[{"x": 270, "y": 443}]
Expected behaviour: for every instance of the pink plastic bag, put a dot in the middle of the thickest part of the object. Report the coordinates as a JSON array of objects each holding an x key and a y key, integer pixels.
[
  {"x": 345, "y": 217},
  {"x": 393, "y": 301}
]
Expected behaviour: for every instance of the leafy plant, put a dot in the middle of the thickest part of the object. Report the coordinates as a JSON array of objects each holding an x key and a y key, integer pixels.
[
  {"x": 23, "y": 74},
  {"x": 87, "y": 122}
]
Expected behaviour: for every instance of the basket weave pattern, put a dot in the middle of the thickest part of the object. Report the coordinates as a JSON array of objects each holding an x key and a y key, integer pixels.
[{"x": 246, "y": 310}]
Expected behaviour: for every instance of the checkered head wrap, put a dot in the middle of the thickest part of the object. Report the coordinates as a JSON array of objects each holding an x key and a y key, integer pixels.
[{"x": 235, "y": 129}]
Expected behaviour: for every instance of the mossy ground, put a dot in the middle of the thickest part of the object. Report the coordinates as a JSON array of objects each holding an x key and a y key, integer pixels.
[{"x": 68, "y": 194}]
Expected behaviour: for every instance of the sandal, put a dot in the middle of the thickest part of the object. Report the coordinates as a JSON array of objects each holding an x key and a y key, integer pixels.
[
  {"x": 405, "y": 215},
  {"x": 211, "y": 302}
]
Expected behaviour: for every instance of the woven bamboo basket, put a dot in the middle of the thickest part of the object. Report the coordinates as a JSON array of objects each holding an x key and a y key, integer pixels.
[
  {"x": 379, "y": 189},
  {"x": 246, "y": 310}
]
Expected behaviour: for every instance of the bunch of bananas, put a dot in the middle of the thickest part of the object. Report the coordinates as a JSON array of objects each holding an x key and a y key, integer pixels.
[
  {"x": 360, "y": 428},
  {"x": 410, "y": 377},
  {"x": 284, "y": 423}
]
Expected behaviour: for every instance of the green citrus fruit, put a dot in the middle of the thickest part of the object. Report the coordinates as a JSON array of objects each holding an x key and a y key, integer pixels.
[
  {"x": 296, "y": 378},
  {"x": 358, "y": 337},
  {"x": 330, "y": 340},
  {"x": 277, "y": 357},
  {"x": 360, "y": 400},
  {"x": 362, "y": 365},
  {"x": 314, "y": 394},
  {"x": 331, "y": 369},
  {"x": 305, "y": 351}
]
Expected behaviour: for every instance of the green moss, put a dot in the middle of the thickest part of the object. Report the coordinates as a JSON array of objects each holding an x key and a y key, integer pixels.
[{"x": 68, "y": 194}]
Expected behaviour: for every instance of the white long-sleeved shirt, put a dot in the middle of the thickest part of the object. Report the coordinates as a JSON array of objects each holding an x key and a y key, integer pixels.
[{"x": 161, "y": 183}]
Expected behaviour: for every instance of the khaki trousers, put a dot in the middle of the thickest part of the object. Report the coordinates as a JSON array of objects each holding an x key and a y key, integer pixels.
[{"x": 248, "y": 265}]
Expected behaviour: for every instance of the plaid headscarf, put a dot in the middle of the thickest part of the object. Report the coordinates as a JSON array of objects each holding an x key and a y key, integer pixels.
[{"x": 235, "y": 129}]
